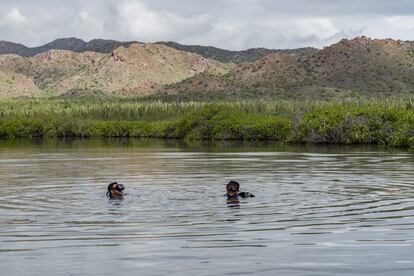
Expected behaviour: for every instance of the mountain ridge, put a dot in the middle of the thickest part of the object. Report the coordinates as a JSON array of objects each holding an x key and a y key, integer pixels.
[
  {"x": 349, "y": 68},
  {"x": 223, "y": 55},
  {"x": 138, "y": 69},
  {"x": 106, "y": 46},
  {"x": 71, "y": 44}
]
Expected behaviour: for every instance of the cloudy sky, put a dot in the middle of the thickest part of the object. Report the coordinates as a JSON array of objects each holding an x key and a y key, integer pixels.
[{"x": 231, "y": 24}]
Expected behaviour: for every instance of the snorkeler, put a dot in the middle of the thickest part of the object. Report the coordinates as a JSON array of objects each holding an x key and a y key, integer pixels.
[
  {"x": 115, "y": 191},
  {"x": 233, "y": 191}
]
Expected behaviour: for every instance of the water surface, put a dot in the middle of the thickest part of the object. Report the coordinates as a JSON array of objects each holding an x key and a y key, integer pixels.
[{"x": 317, "y": 210}]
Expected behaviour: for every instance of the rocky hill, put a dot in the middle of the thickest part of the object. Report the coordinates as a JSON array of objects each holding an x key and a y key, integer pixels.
[
  {"x": 107, "y": 46},
  {"x": 349, "y": 68},
  {"x": 248, "y": 55},
  {"x": 361, "y": 66},
  {"x": 135, "y": 70}
]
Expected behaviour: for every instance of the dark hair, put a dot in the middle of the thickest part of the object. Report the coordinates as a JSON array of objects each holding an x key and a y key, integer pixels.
[
  {"x": 108, "y": 193},
  {"x": 233, "y": 186}
]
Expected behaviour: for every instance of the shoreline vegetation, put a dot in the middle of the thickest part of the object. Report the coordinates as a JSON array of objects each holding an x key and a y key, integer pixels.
[{"x": 388, "y": 122}]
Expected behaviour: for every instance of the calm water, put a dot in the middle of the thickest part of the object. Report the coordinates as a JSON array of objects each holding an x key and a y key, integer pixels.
[{"x": 317, "y": 211}]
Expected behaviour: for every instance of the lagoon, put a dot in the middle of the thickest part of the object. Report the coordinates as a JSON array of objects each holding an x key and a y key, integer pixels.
[{"x": 317, "y": 210}]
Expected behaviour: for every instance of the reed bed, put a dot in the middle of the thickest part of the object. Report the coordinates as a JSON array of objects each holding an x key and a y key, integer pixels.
[
  {"x": 122, "y": 109},
  {"x": 347, "y": 121}
]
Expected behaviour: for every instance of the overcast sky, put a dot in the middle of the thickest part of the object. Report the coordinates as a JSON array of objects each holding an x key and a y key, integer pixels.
[{"x": 230, "y": 24}]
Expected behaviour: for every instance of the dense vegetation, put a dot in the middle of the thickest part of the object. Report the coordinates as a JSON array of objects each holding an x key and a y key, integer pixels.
[
  {"x": 237, "y": 57},
  {"x": 386, "y": 122},
  {"x": 70, "y": 44}
]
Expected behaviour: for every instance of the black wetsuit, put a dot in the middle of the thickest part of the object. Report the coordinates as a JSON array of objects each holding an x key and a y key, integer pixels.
[{"x": 240, "y": 195}]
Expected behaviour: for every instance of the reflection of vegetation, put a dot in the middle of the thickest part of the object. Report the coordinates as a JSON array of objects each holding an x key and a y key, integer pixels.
[
  {"x": 385, "y": 122},
  {"x": 153, "y": 144}
]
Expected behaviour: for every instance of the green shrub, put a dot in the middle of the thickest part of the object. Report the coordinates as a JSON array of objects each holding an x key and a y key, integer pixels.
[
  {"x": 353, "y": 124},
  {"x": 80, "y": 128},
  {"x": 20, "y": 128},
  {"x": 220, "y": 122}
]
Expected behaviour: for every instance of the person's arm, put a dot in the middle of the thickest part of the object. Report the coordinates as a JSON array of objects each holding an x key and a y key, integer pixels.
[{"x": 246, "y": 194}]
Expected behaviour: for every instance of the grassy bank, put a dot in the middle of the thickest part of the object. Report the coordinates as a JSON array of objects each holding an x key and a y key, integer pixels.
[{"x": 386, "y": 122}]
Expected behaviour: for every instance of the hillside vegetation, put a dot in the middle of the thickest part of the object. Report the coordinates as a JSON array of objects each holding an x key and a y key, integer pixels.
[
  {"x": 237, "y": 57},
  {"x": 360, "y": 67},
  {"x": 350, "y": 68},
  {"x": 69, "y": 44},
  {"x": 107, "y": 46},
  {"x": 139, "y": 69}
]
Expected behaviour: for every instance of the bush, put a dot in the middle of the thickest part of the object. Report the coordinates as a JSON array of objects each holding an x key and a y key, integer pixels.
[
  {"x": 80, "y": 128},
  {"x": 20, "y": 128},
  {"x": 219, "y": 122},
  {"x": 353, "y": 124}
]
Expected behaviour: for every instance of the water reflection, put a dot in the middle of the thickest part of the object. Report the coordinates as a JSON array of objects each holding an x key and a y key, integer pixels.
[
  {"x": 233, "y": 202},
  {"x": 317, "y": 210}
]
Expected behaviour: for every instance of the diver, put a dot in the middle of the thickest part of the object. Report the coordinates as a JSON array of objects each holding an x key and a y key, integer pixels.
[
  {"x": 115, "y": 191},
  {"x": 233, "y": 191}
]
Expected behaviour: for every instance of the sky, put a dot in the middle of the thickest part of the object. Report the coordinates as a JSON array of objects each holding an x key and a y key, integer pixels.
[{"x": 229, "y": 24}]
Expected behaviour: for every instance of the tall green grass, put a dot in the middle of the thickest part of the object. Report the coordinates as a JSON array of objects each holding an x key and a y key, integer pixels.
[
  {"x": 119, "y": 108},
  {"x": 363, "y": 121}
]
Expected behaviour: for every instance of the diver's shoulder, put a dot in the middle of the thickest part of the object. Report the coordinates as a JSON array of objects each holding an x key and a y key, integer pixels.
[{"x": 245, "y": 194}]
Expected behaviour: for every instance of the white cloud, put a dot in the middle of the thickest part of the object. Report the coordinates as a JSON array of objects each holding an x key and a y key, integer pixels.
[
  {"x": 88, "y": 25},
  {"x": 304, "y": 32},
  {"x": 139, "y": 21},
  {"x": 396, "y": 27},
  {"x": 401, "y": 22},
  {"x": 221, "y": 34},
  {"x": 14, "y": 18},
  {"x": 280, "y": 33},
  {"x": 231, "y": 24},
  {"x": 25, "y": 28}
]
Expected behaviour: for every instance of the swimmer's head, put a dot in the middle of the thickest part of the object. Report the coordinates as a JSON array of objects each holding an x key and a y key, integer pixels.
[
  {"x": 115, "y": 190},
  {"x": 232, "y": 187}
]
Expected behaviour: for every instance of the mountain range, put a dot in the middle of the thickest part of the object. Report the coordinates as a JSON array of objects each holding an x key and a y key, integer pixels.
[
  {"x": 70, "y": 44},
  {"x": 73, "y": 67}
]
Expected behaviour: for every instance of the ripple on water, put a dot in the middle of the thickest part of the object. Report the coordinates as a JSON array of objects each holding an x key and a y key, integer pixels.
[{"x": 316, "y": 213}]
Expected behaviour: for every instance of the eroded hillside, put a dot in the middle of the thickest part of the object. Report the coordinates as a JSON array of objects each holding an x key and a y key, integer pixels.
[
  {"x": 360, "y": 66},
  {"x": 139, "y": 69},
  {"x": 349, "y": 68}
]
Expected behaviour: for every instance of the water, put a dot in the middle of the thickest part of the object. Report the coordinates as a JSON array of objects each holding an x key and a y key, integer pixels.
[{"x": 317, "y": 211}]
